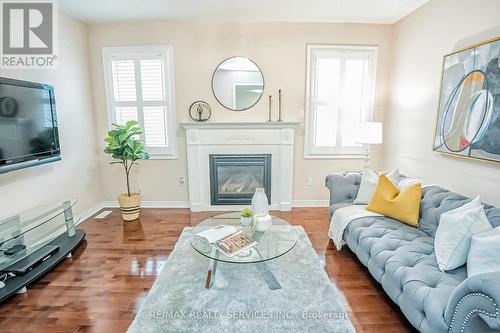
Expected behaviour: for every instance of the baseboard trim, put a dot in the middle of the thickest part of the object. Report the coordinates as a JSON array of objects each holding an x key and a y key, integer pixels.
[
  {"x": 185, "y": 204},
  {"x": 151, "y": 204},
  {"x": 310, "y": 203},
  {"x": 90, "y": 212}
]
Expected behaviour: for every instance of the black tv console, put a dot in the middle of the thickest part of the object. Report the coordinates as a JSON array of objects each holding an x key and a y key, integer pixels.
[{"x": 32, "y": 252}]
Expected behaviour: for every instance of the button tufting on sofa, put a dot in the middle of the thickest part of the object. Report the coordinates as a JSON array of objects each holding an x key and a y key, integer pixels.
[
  {"x": 403, "y": 260},
  {"x": 402, "y": 257}
]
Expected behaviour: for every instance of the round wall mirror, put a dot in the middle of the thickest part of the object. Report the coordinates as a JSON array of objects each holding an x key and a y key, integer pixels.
[{"x": 238, "y": 83}]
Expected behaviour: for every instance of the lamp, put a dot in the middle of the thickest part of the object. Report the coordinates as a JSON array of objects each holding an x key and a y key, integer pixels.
[{"x": 369, "y": 133}]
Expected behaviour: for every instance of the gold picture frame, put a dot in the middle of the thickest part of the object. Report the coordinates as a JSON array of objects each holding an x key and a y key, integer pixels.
[{"x": 468, "y": 115}]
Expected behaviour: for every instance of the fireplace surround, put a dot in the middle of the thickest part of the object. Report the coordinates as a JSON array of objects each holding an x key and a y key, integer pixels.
[{"x": 239, "y": 138}]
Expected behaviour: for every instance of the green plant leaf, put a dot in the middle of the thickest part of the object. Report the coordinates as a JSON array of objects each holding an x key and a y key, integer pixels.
[
  {"x": 130, "y": 124},
  {"x": 123, "y": 143},
  {"x": 246, "y": 212}
]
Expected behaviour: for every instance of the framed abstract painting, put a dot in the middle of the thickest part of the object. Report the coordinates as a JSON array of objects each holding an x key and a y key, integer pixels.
[{"x": 468, "y": 122}]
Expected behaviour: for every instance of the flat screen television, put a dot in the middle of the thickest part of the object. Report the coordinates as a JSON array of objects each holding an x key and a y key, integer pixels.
[{"x": 28, "y": 125}]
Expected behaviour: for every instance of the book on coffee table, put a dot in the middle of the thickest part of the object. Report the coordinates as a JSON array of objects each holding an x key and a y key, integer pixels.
[{"x": 227, "y": 239}]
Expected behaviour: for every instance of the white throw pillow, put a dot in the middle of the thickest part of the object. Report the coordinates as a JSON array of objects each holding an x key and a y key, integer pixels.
[
  {"x": 483, "y": 254},
  {"x": 369, "y": 181},
  {"x": 454, "y": 232},
  {"x": 407, "y": 182},
  {"x": 476, "y": 202}
]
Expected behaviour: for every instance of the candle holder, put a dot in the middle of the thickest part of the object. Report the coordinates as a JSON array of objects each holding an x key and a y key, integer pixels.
[
  {"x": 270, "y": 108},
  {"x": 279, "y": 105}
]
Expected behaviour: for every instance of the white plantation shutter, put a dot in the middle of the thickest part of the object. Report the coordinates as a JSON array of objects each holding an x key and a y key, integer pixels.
[
  {"x": 152, "y": 85},
  {"x": 152, "y": 80},
  {"x": 340, "y": 85},
  {"x": 154, "y": 126},
  {"x": 139, "y": 83},
  {"x": 125, "y": 113},
  {"x": 124, "y": 80}
]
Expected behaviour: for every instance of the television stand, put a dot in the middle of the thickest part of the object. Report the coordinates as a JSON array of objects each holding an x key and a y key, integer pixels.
[{"x": 31, "y": 256}]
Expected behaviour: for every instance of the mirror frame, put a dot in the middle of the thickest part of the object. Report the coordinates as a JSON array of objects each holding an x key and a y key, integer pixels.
[{"x": 261, "y": 74}]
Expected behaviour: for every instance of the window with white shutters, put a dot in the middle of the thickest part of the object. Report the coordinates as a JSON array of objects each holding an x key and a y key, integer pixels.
[
  {"x": 339, "y": 95},
  {"x": 139, "y": 86}
]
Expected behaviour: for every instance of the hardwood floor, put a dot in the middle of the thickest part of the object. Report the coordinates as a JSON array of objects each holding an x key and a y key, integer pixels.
[{"x": 102, "y": 286}]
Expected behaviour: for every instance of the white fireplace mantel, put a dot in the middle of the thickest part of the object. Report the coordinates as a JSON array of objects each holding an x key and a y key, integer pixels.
[
  {"x": 275, "y": 138},
  {"x": 240, "y": 124}
]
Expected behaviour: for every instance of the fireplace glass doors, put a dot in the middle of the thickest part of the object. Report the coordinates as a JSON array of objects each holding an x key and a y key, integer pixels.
[{"x": 234, "y": 177}]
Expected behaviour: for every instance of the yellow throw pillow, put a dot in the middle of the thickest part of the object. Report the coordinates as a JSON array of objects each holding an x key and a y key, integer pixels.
[{"x": 389, "y": 201}]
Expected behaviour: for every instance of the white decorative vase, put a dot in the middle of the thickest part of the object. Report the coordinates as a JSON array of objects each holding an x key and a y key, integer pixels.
[
  {"x": 263, "y": 222},
  {"x": 260, "y": 204},
  {"x": 260, "y": 209}
]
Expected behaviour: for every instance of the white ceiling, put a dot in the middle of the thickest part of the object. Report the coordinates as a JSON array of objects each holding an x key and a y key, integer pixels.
[{"x": 355, "y": 11}]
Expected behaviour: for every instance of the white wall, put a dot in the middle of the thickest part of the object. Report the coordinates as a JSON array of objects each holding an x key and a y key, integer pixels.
[
  {"x": 77, "y": 174},
  {"x": 279, "y": 49},
  {"x": 411, "y": 50},
  {"x": 420, "y": 41}
]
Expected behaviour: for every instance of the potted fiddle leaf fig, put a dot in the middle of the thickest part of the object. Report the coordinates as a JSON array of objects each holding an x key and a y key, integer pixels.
[{"x": 126, "y": 148}]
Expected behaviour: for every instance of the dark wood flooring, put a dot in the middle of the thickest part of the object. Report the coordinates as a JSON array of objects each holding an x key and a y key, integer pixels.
[{"x": 101, "y": 288}]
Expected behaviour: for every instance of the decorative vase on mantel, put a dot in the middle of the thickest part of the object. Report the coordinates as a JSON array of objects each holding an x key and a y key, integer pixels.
[{"x": 260, "y": 208}]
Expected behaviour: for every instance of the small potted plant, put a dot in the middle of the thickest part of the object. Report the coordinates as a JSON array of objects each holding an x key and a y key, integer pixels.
[
  {"x": 126, "y": 148},
  {"x": 246, "y": 217}
]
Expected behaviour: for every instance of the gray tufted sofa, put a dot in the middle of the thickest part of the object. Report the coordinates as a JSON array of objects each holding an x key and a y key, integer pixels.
[{"x": 401, "y": 258}]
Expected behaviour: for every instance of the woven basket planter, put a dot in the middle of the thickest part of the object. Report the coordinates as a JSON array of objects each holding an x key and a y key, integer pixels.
[{"x": 130, "y": 206}]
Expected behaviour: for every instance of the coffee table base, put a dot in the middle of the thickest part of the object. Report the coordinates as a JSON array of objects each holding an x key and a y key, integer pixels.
[
  {"x": 262, "y": 267},
  {"x": 212, "y": 269},
  {"x": 268, "y": 276}
]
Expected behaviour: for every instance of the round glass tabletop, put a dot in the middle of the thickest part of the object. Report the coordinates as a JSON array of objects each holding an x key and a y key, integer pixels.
[{"x": 278, "y": 240}]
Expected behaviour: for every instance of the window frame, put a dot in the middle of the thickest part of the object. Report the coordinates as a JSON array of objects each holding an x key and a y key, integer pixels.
[
  {"x": 312, "y": 151},
  {"x": 136, "y": 53}
]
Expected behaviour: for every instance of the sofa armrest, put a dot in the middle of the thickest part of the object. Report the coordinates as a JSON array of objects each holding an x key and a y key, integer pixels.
[
  {"x": 473, "y": 306},
  {"x": 343, "y": 187}
]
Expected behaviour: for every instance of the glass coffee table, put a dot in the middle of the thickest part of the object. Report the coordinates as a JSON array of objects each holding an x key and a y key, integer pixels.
[{"x": 271, "y": 244}]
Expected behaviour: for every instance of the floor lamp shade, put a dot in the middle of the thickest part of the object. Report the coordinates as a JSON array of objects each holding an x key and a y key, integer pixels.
[{"x": 369, "y": 133}]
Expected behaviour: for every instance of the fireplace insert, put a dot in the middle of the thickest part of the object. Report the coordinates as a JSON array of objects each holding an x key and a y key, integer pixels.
[{"x": 234, "y": 177}]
